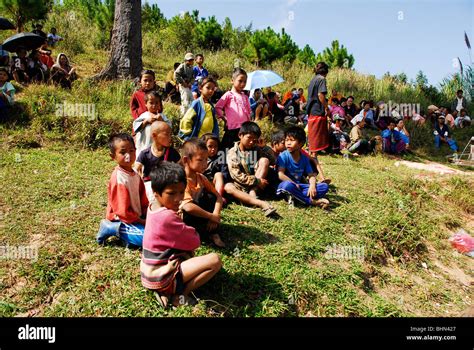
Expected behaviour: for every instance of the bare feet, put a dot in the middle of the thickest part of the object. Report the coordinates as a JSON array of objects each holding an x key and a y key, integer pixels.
[
  {"x": 323, "y": 203},
  {"x": 216, "y": 239}
]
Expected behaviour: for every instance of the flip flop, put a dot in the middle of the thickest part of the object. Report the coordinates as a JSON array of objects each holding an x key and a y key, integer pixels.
[
  {"x": 162, "y": 299},
  {"x": 269, "y": 211}
]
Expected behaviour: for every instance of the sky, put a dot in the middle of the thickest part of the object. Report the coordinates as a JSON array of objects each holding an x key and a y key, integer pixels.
[{"x": 382, "y": 35}]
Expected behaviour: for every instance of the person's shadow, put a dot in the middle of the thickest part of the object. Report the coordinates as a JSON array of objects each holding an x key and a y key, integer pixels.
[{"x": 243, "y": 294}]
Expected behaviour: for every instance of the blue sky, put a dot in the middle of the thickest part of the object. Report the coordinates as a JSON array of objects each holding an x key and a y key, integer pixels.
[{"x": 383, "y": 35}]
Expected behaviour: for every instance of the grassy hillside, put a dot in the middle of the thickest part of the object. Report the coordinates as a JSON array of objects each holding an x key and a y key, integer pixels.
[{"x": 55, "y": 169}]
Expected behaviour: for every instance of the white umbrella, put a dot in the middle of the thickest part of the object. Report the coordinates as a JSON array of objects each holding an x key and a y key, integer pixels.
[{"x": 262, "y": 78}]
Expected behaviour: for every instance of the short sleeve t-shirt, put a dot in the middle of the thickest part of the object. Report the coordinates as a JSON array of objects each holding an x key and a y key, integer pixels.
[
  {"x": 295, "y": 171},
  {"x": 194, "y": 191},
  {"x": 148, "y": 159},
  {"x": 316, "y": 86}
]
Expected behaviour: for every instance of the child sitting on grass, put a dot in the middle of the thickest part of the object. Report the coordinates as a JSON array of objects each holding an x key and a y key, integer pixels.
[
  {"x": 137, "y": 102},
  {"x": 7, "y": 92},
  {"x": 168, "y": 266},
  {"x": 142, "y": 125},
  {"x": 202, "y": 204},
  {"x": 294, "y": 167},
  {"x": 200, "y": 118},
  {"x": 216, "y": 170},
  {"x": 159, "y": 150},
  {"x": 248, "y": 169},
  {"x": 127, "y": 201}
]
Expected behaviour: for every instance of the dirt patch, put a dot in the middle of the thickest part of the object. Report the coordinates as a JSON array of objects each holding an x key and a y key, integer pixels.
[{"x": 432, "y": 167}]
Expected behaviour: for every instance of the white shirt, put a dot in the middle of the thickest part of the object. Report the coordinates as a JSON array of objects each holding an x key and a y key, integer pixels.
[{"x": 459, "y": 106}]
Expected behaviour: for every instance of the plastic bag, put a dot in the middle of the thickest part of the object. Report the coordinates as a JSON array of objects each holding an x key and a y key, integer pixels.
[{"x": 462, "y": 241}]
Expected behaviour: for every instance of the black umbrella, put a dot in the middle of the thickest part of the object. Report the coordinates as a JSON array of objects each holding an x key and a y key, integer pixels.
[
  {"x": 6, "y": 24},
  {"x": 29, "y": 41}
]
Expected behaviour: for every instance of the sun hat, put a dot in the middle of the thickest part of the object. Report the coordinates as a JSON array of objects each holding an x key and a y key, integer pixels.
[{"x": 189, "y": 56}]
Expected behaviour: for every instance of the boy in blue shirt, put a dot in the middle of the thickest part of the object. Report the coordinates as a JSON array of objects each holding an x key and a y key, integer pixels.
[
  {"x": 199, "y": 72},
  {"x": 294, "y": 167}
]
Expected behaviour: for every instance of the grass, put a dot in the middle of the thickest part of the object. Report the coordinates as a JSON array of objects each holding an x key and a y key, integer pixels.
[
  {"x": 54, "y": 170},
  {"x": 55, "y": 197}
]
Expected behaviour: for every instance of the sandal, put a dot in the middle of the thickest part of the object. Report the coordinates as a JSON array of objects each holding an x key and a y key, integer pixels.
[
  {"x": 269, "y": 211},
  {"x": 162, "y": 299}
]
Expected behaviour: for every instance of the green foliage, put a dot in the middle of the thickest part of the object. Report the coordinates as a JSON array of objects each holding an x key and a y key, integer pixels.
[
  {"x": 178, "y": 34},
  {"x": 208, "y": 34},
  {"x": 421, "y": 80},
  {"x": 265, "y": 46},
  {"x": 336, "y": 56},
  {"x": 152, "y": 18},
  {"x": 100, "y": 13},
  {"x": 24, "y": 11},
  {"x": 307, "y": 56}
]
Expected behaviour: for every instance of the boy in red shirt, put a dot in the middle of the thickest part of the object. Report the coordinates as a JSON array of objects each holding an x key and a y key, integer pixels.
[{"x": 127, "y": 201}]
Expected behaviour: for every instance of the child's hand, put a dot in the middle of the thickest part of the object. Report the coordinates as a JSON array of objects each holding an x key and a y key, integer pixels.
[{"x": 312, "y": 192}]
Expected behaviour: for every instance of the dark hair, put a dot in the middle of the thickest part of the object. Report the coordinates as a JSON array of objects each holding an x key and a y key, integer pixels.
[
  {"x": 335, "y": 100},
  {"x": 348, "y": 97},
  {"x": 4, "y": 69},
  {"x": 199, "y": 55},
  {"x": 204, "y": 81},
  {"x": 300, "y": 89},
  {"x": 165, "y": 174},
  {"x": 321, "y": 68},
  {"x": 392, "y": 121},
  {"x": 448, "y": 109},
  {"x": 278, "y": 137},
  {"x": 297, "y": 133},
  {"x": 122, "y": 137},
  {"x": 459, "y": 91},
  {"x": 271, "y": 95},
  {"x": 343, "y": 99},
  {"x": 191, "y": 146},
  {"x": 53, "y": 29},
  {"x": 210, "y": 136},
  {"x": 250, "y": 128},
  {"x": 147, "y": 71},
  {"x": 237, "y": 72},
  {"x": 152, "y": 93},
  {"x": 176, "y": 65}
]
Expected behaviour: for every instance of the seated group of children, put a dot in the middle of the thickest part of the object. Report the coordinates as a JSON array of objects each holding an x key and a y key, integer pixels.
[{"x": 166, "y": 201}]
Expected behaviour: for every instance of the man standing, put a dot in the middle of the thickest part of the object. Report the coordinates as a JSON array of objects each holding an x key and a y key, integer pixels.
[{"x": 184, "y": 76}]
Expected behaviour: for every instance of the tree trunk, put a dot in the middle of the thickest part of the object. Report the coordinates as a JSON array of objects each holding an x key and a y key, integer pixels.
[{"x": 126, "y": 45}]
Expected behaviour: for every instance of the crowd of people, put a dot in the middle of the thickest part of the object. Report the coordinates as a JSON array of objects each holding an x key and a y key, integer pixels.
[{"x": 166, "y": 200}]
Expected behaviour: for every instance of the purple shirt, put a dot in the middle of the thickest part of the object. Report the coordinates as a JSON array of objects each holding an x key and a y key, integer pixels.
[{"x": 236, "y": 107}]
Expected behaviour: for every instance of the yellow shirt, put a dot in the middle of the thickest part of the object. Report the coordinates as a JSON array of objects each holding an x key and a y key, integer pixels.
[{"x": 186, "y": 124}]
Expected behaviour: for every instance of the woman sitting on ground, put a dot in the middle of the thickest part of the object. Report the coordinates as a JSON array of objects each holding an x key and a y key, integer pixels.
[{"x": 62, "y": 73}]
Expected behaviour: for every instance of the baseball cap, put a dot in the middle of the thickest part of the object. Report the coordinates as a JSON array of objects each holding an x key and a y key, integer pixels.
[{"x": 189, "y": 56}]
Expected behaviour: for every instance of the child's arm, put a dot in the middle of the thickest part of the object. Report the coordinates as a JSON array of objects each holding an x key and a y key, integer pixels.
[
  {"x": 186, "y": 124},
  {"x": 195, "y": 210},
  {"x": 283, "y": 177},
  {"x": 318, "y": 167},
  {"x": 119, "y": 199},
  {"x": 220, "y": 105},
  {"x": 238, "y": 175},
  {"x": 312, "y": 186},
  {"x": 139, "y": 168}
]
